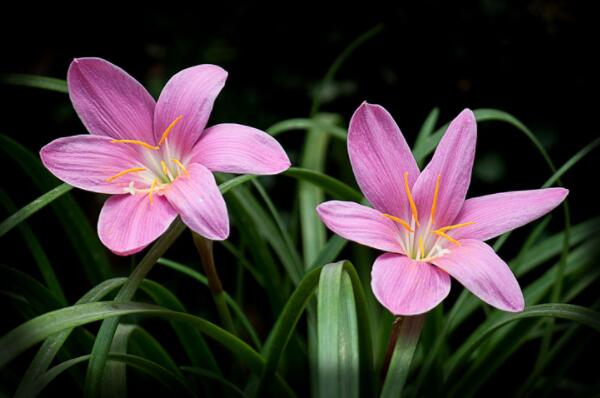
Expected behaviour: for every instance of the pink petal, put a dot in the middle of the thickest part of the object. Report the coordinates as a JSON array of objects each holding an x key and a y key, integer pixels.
[
  {"x": 379, "y": 156},
  {"x": 190, "y": 94},
  {"x": 453, "y": 162},
  {"x": 197, "y": 199},
  {"x": 233, "y": 148},
  {"x": 495, "y": 214},
  {"x": 479, "y": 269},
  {"x": 109, "y": 101},
  {"x": 86, "y": 161},
  {"x": 129, "y": 223},
  {"x": 361, "y": 224},
  {"x": 408, "y": 287}
]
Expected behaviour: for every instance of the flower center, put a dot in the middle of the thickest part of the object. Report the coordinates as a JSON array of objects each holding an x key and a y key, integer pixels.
[
  {"x": 424, "y": 242},
  {"x": 158, "y": 169}
]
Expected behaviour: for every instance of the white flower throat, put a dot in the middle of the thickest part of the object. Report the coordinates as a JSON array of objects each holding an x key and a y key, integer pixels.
[
  {"x": 161, "y": 166},
  {"x": 424, "y": 242}
]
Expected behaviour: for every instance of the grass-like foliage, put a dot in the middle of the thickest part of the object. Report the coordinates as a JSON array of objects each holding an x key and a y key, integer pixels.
[{"x": 303, "y": 319}]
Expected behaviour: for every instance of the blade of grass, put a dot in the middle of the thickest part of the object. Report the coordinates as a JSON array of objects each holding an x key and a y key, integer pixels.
[
  {"x": 43, "y": 326},
  {"x": 307, "y": 124},
  {"x": 239, "y": 313},
  {"x": 408, "y": 333},
  {"x": 338, "y": 368},
  {"x": 35, "y": 81},
  {"x": 164, "y": 376},
  {"x": 570, "y": 312},
  {"x": 22, "y": 214},
  {"x": 108, "y": 327},
  {"x": 37, "y": 251},
  {"x": 83, "y": 237}
]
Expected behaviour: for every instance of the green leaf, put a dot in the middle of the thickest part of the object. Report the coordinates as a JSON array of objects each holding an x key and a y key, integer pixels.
[
  {"x": 428, "y": 127},
  {"x": 210, "y": 375},
  {"x": 191, "y": 341},
  {"x": 313, "y": 157},
  {"x": 332, "y": 186},
  {"x": 570, "y": 312},
  {"x": 108, "y": 327},
  {"x": 114, "y": 383},
  {"x": 53, "y": 344},
  {"x": 239, "y": 313},
  {"x": 290, "y": 249},
  {"x": 37, "y": 252},
  {"x": 307, "y": 124},
  {"x": 36, "y": 81},
  {"x": 339, "y": 61},
  {"x": 285, "y": 325},
  {"x": 408, "y": 331},
  {"x": 338, "y": 357},
  {"x": 39, "y": 203},
  {"x": 43, "y": 326},
  {"x": 167, "y": 378},
  {"x": 83, "y": 237}
]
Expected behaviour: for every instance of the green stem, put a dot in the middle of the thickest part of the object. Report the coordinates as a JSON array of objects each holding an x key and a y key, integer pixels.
[
  {"x": 205, "y": 251},
  {"x": 108, "y": 328},
  {"x": 406, "y": 332}
]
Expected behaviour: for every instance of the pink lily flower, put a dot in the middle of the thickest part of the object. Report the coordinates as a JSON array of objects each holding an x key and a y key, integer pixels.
[
  {"x": 422, "y": 220},
  {"x": 155, "y": 157}
]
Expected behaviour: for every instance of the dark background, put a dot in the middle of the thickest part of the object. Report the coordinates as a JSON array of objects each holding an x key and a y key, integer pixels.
[{"x": 535, "y": 59}]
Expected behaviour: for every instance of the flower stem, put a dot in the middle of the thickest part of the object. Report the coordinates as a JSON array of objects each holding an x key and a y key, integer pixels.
[
  {"x": 401, "y": 348},
  {"x": 205, "y": 251},
  {"x": 104, "y": 338}
]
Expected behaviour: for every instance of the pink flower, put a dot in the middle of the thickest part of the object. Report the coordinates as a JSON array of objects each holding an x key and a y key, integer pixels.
[
  {"x": 155, "y": 157},
  {"x": 422, "y": 220}
]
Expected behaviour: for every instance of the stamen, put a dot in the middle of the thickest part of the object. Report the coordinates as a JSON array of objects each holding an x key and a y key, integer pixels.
[
  {"x": 435, "y": 196},
  {"x": 181, "y": 166},
  {"x": 399, "y": 221},
  {"x": 168, "y": 130},
  {"x": 136, "y": 142},
  {"x": 444, "y": 235},
  {"x": 421, "y": 246},
  {"x": 131, "y": 170},
  {"x": 152, "y": 186},
  {"x": 164, "y": 168},
  {"x": 413, "y": 207},
  {"x": 451, "y": 227}
]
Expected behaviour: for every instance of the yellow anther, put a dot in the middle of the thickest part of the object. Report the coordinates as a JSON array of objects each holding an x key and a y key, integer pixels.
[
  {"x": 136, "y": 142},
  {"x": 435, "y": 196},
  {"x": 168, "y": 130},
  {"x": 181, "y": 166},
  {"x": 131, "y": 170},
  {"x": 444, "y": 235},
  {"x": 399, "y": 221},
  {"x": 413, "y": 207},
  {"x": 164, "y": 167},
  {"x": 451, "y": 227},
  {"x": 152, "y": 186},
  {"x": 421, "y": 246}
]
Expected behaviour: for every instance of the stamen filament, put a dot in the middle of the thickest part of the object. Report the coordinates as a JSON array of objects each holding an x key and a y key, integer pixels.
[
  {"x": 136, "y": 142},
  {"x": 181, "y": 166},
  {"x": 451, "y": 227},
  {"x": 444, "y": 235},
  {"x": 435, "y": 196},
  {"x": 164, "y": 168},
  {"x": 131, "y": 170},
  {"x": 399, "y": 221},
  {"x": 152, "y": 186},
  {"x": 413, "y": 207},
  {"x": 168, "y": 130},
  {"x": 422, "y": 247}
]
